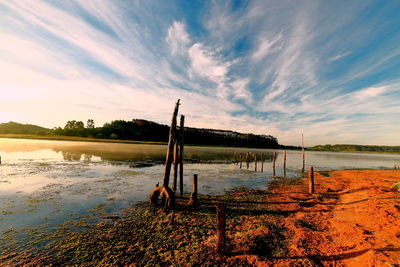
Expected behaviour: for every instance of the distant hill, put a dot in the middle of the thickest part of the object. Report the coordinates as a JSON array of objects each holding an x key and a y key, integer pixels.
[
  {"x": 18, "y": 128},
  {"x": 355, "y": 148}
]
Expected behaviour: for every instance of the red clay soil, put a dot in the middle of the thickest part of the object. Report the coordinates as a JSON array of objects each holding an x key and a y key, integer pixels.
[{"x": 353, "y": 219}]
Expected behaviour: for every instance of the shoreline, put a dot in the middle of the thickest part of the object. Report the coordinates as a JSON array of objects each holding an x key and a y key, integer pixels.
[{"x": 351, "y": 219}]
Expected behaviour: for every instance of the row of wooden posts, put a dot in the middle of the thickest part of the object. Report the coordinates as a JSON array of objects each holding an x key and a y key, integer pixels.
[
  {"x": 248, "y": 156},
  {"x": 175, "y": 155}
]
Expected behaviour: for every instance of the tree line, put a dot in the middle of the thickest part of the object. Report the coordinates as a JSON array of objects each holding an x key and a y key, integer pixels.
[{"x": 144, "y": 130}]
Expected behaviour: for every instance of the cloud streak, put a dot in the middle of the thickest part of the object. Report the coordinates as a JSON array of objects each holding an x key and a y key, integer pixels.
[{"x": 265, "y": 67}]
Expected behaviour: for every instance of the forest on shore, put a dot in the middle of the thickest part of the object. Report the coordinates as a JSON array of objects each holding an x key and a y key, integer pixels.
[{"x": 144, "y": 130}]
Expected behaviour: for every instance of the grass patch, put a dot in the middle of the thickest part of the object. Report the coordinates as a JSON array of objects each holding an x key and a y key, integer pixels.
[{"x": 144, "y": 236}]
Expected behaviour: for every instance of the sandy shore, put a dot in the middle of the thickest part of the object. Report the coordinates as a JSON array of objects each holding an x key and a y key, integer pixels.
[{"x": 352, "y": 220}]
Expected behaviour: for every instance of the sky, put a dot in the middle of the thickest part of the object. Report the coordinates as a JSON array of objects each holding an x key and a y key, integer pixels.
[{"x": 328, "y": 69}]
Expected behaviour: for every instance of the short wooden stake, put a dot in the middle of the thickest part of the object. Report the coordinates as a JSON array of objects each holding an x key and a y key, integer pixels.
[
  {"x": 240, "y": 159},
  {"x": 221, "y": 228},
  {"x": 311, "y": 181},
  {"x": 171, "y": 218},
  {"x": 255, "y": 162},
  {"x": 284, "y": 163},
  {"x": 303, "y": 155},
  {"x": 262, "y": 162},
  {"x": 273, "y": 164},
  {"x": 193, "y": 197}
]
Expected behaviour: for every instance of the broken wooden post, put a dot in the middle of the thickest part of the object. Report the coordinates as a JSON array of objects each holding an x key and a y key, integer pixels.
[
  {"x": 273, "y": 164},
  {"x": 176, "y": 153},
  {"x": 240, "y": 159},
  {"x": 181, "y": 143},
  {"x": 262, "y": 162},
  {"x": 193, "y": 197},
  {"x": 221, "y": 228},
  {"x": 164, "y": 190},
  {"x": 284, "y": 163},
  {"x": 394, "y": 167},
  {"x": 311, "y": 181},
  {"x": 255, "y": 162},
  {"x": 303, "y": 153}
]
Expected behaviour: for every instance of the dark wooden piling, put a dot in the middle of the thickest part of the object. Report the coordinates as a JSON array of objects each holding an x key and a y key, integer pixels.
[
  {"x": 284, "y": 163},
  {"x": 193, "y": 197},
  {"x": 221, "y": 228},
  {"x": 247, "y": 160},
  {"x": 181, "y": 146},
  {"x": 240, "y": 160},
  {"x": 311, "y": 181},
  {"x": 262, "y": 162},
  {"x": 273, "y": 164},
  {"x": 255, "y": 162},
  {"x": 164, "y": 190}
]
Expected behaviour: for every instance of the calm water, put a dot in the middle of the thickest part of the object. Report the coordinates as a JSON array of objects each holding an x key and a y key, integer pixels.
[{"x": 44, "y": 183}]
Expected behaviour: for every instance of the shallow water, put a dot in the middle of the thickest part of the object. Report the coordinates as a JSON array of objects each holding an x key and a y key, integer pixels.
[{"x": 44, "y": 183}]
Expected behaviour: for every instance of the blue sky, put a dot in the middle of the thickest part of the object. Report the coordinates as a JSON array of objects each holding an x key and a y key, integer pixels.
[{"x": 328, "y": 69}]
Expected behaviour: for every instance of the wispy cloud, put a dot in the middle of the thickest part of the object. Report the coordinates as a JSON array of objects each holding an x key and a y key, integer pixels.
[{"x": 281, "y": 68}]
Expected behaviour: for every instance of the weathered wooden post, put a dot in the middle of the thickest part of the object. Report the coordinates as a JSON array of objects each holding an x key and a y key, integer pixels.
[
  {"x": 247, "y": 160},
  {"x": 171, "y": 218},
  {"x": 255, "y": 162},
  {"x": 176, "y": 153},
  {"x": 221, "y": 228},
  {"x": 311, "y": 181},
  {"x": 240, "y": 159},
  {"x": 181, "y": 143},
  {"x": 193, "y": 197},
  {"x": 164, "y": 190},
  {"x": 273, "y": 164},
  {"x": 303, "y": 153},
  {"x": 262, "y": 162},
  {"x": 284, "y": 163}
]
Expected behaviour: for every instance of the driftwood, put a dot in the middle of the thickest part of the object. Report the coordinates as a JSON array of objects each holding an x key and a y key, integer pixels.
[
  {"x": 181, "y": 143},
  {"x": 164, "y": 190}
]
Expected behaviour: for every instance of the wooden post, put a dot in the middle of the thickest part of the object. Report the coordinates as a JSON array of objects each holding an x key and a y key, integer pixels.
[
  {"x": 176, "y": 153},
  {"x": 193, "y": 197},
  {"x": 262, "y": 162},
  {"x": 181, "y": 143},
  {"x": 255, "y": 162},
  {"x": 394, "y": 166},
  {"x": 311, "y": 181},
  {"x": 171, "y": 218},
  {"x": 284, "y": 163},
  {"x": 221, "y": 228},
  {"x": 171, "y": 142},
  {"x": 273, "y": 164},
  {"x": 303, "y": 153},
  {"x": 247, "y": 160},
  {"x": 240, "y": 159}
]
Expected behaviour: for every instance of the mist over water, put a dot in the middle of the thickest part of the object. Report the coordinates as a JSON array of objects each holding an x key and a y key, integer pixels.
[{"x": 45, "y": 183}]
